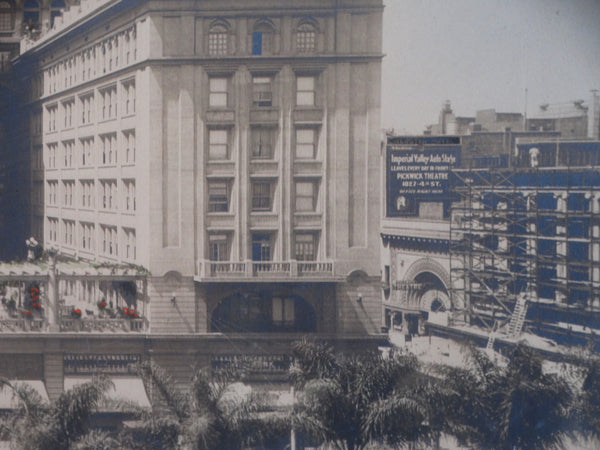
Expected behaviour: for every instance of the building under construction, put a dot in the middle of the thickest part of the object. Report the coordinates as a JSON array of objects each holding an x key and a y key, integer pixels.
[{"x": 525, "y": 244}]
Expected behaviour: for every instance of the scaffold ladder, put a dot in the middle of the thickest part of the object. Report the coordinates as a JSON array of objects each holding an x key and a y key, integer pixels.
[
  {"x": 517, "y": 319},
  {"x": 492, "y": 337}
]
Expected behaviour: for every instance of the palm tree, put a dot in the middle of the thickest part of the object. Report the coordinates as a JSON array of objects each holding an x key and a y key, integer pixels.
[
  {"x": 62, "y": 424},
  {"x": 217, "y": 412},
  {"x": 586, "y": 413},
  {"x": 351, "y": 402},
  {"x": 517, "y": 406}
]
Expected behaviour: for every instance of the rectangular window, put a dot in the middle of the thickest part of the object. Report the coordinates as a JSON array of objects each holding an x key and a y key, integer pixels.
[
  {"x": 108, "y": 102},
  {"x": 68, "y": 113},
  {"x": 129, "y": 141},
  {"x": 257, "y": 43},
  {"x": 305, "y": 91},
  {"x": 129, "y": 97},
  {"x": 305, "y": 195},
  {"x": 38, "y": 192},
  {"x": 305, "y": 247},
  {"x": 87, "y": 236},
  {"x": 109, "y": 240},
  {"x": 218, "y": 247},
  {"x": 218, "y": 40},
  {"x": 51, "y": 112},
  {"x": 52, "y": 192},
  {"x": 218, "y": 196},
  {"x": 87, "y": 106},
  {"x": 283, "y": 311},
  {"x": 87, "y": 148},
  {"x": 129, "y": 200},
  {"x": 262, "y": 94},
  {"x": 130, "y": 245},
  {"x": 261, "y": 196},
  {"x": 261, "y": 247},
  {"x": 218, "y": 93},
  {"x": 36, "y": 123},
  {"x": 38, "y": 157},
  {"x": 218, "y": 140},
  {"x": 68, "y": 191},
  {"x": 68, "y": 232},
  {"x": 262, "y": 139},
  {"x": 306, "y": 139},
  {"x": 87, "y": 193},
  {"x": 109, "y": 149},
  {"x": 109, "y": 194},
  {"x": 68, "y": 149},
  {"x": 52, "y": 150},
  {"x": 52, "y": 229}
]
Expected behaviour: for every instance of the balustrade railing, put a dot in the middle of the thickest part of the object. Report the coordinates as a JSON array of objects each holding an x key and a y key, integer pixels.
[{"x": 264, "y": 269}]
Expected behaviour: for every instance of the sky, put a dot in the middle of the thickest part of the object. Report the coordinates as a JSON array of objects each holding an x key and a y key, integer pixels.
[{"x": 507, "y": 55}]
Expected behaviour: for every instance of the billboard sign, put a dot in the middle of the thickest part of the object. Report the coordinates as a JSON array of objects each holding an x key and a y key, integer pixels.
[{"x": 417, "y": 173}]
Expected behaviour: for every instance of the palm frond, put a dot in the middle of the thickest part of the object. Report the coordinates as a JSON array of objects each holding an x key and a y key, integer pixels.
[
  {"x": 396, "y": 420},
  {"x": 177, "y": 402}
]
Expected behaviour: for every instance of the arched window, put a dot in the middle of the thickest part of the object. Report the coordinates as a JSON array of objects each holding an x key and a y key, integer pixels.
[
  {"x": 56, "y": 9},
  {"x": 263, "y": 38},
  {"x": 31, "y": 12},
  {"x": 7, "y": 16},
  {"x": 306, "y": 37},
  {"x": 218, "y": 39}
]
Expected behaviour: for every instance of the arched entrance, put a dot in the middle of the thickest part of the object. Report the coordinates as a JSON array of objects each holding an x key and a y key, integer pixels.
[
  {"x": 425, "y": 298},
  {"x": 263, "y": 312},
  {"x": 434, "y": 301}
]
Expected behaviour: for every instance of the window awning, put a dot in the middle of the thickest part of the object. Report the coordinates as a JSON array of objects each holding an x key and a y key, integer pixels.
[
  {"x": 126, "y": 390},
  {"x": 9, "y": 399}
]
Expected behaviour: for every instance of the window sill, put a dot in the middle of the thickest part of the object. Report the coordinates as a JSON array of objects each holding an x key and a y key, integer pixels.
[{"x": 307, "y": 213}]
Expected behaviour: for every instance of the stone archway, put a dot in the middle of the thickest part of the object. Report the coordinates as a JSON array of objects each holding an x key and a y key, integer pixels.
[
  {"x": 432, "y": 297},
  {"x": 428, "y": 265}
]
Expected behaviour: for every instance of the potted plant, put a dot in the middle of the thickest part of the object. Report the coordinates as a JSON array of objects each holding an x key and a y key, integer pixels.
[
  {"x": 27, "y": 314},
  {"x": 76, "y": 313},
  {"x": 101, "y": 304}
]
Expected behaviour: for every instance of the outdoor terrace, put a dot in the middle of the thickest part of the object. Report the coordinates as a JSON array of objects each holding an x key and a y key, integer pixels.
[{"x": 72, "y": 296}]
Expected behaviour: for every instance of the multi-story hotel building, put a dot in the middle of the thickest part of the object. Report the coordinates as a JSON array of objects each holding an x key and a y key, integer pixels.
[
  {"x": 232, "y": 149},
  {"x": 17, "y": 18}
]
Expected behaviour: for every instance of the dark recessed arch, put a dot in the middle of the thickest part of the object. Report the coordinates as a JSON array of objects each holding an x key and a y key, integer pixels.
[{"x": 263, "y": 312}]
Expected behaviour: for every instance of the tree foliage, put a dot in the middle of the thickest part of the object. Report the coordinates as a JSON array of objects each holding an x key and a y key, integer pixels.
[
  {"x": 216, "y": 412},
  {"x": 517, "y": 406},
  {"x": 35, "y": 425},
  {"x": 351, "y": 401}
]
